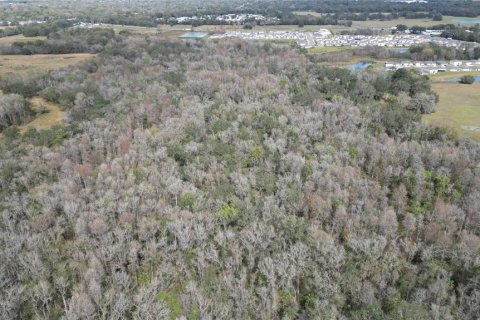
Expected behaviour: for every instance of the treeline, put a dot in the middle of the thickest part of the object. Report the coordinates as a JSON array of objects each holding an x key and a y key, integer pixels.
[
  {"x": 37, "y": 29},
  {"x": 44, "y": 29},
  {"x": 76, "y": 40},
  {"x": 433, "y": 51},
  {"x": 425, "y": 52},
  {"x": 327, "y": 19},
  {"x": 344, "y": 9},
  {"x": 374, "y": 7},
  {"x": 471, "y": 34},
  {"x": 14, "y": 111}
]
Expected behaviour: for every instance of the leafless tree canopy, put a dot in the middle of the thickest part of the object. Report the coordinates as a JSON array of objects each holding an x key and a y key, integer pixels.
[{"x": 235, "y": 180}]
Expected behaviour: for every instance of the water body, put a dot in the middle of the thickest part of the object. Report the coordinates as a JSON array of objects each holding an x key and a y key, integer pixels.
[
  {"x": 359, "y": 66},
  {"x": 400, "y": 50},
  {"x": 467, "y": 21},
  {"x": 193, "y": 35},
  {"x": 457, "y": 79}
]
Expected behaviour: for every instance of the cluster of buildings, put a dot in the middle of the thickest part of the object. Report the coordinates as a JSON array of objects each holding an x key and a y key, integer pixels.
[
  {"x": 88, "y": 25},
  {"x": 324, "y": 38},
  {"x": 382, "y": 41},
  {"x": 21, "y": 23},
  {"x": 304, "y": 39},
  {"x": 227, "y": 18},
  {"x": 433, "y": 67}
]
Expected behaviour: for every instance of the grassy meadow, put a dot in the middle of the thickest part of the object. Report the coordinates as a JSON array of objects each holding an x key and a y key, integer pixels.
[
  {"x": 18, "y": 63},
  {"x": 43, "y": 62},
  {"x": 53, "y": 116},
  {"x": 19, "y": 38},
  {"x": 458, "y": 106}
]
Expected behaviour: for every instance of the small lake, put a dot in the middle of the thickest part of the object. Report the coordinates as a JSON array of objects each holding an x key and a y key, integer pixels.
[
  {"x": 359, "y": 66},
  {"x": 193, "y": 35},
  {"x": 400, "y": 50},
  {"x": 457, "y": 79},
  {"x": 467, "y": 21}
]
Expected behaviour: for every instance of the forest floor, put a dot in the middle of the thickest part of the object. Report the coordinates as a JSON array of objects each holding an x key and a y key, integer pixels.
[
  {"x": 17, "y": 63},
  {"x": 458, "y": 106}
]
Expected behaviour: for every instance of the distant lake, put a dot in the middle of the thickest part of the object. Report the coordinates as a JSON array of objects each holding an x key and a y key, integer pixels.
[
  {"x": 359, "y": 65},
  {"x": 467, "y": 21},
  {"x": 400, "y": 50},
  {"x": 457, "y": 79},
  {"x": 193, "y": 35}
]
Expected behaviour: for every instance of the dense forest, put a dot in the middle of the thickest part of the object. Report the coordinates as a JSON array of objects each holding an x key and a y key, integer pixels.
[{"x": 234, "y": 180}]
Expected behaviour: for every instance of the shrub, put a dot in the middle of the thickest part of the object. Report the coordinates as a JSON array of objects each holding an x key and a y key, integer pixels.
[
  {"x": 467, "y": 79},
  {"x": 229, "y": 211}
]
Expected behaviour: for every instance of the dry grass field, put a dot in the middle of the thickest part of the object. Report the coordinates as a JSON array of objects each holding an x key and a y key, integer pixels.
[
  {"x": 46, "y": 120},
  {"x": 21, "y": 63},
  {"x": 408, "y": 22},
  {"x": 133, "y": 29},
  {"x": 18, "y": 63},
  {"x": 53, "y": 116},
  {"x": 19, "y": 37},
  {"x": 163, "y": 31}
]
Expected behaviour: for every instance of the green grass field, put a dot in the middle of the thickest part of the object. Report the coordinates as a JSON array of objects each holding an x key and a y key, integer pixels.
[
  {"x": 458, "y": 107},
  {"x": 308, "y": 13},
  {"x": 320, "y": 50}
]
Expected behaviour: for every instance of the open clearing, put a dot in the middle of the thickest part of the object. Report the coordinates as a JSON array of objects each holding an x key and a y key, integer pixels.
[
  {"x": 133, "y": 29},
  {"x": 46, "y": 120},
  {"x": 458, "y": 107},
  {"x": 308, "y": 13},
  {"x": 409, "y": 22},
  {"x": 53, "y": 116},
  {"x": 16, "y": 63},
  {"x": 19, "y": 37},
  {"x": 320, "y": 50},
  {"x": 163, "y": 31}
]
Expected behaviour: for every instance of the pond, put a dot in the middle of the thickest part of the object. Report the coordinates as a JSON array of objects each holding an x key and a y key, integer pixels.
[
  {"x": 193, "y": 35},
  {"x": 359, "y": 65},
  {"x": 400, "y": 50},
  {"x": 467, "y": 21}
]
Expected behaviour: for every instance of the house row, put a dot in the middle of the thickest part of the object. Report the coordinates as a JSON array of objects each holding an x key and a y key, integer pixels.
[
  {"x": 324, "y": 38},
  {"x": 433, "y": 67}
]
